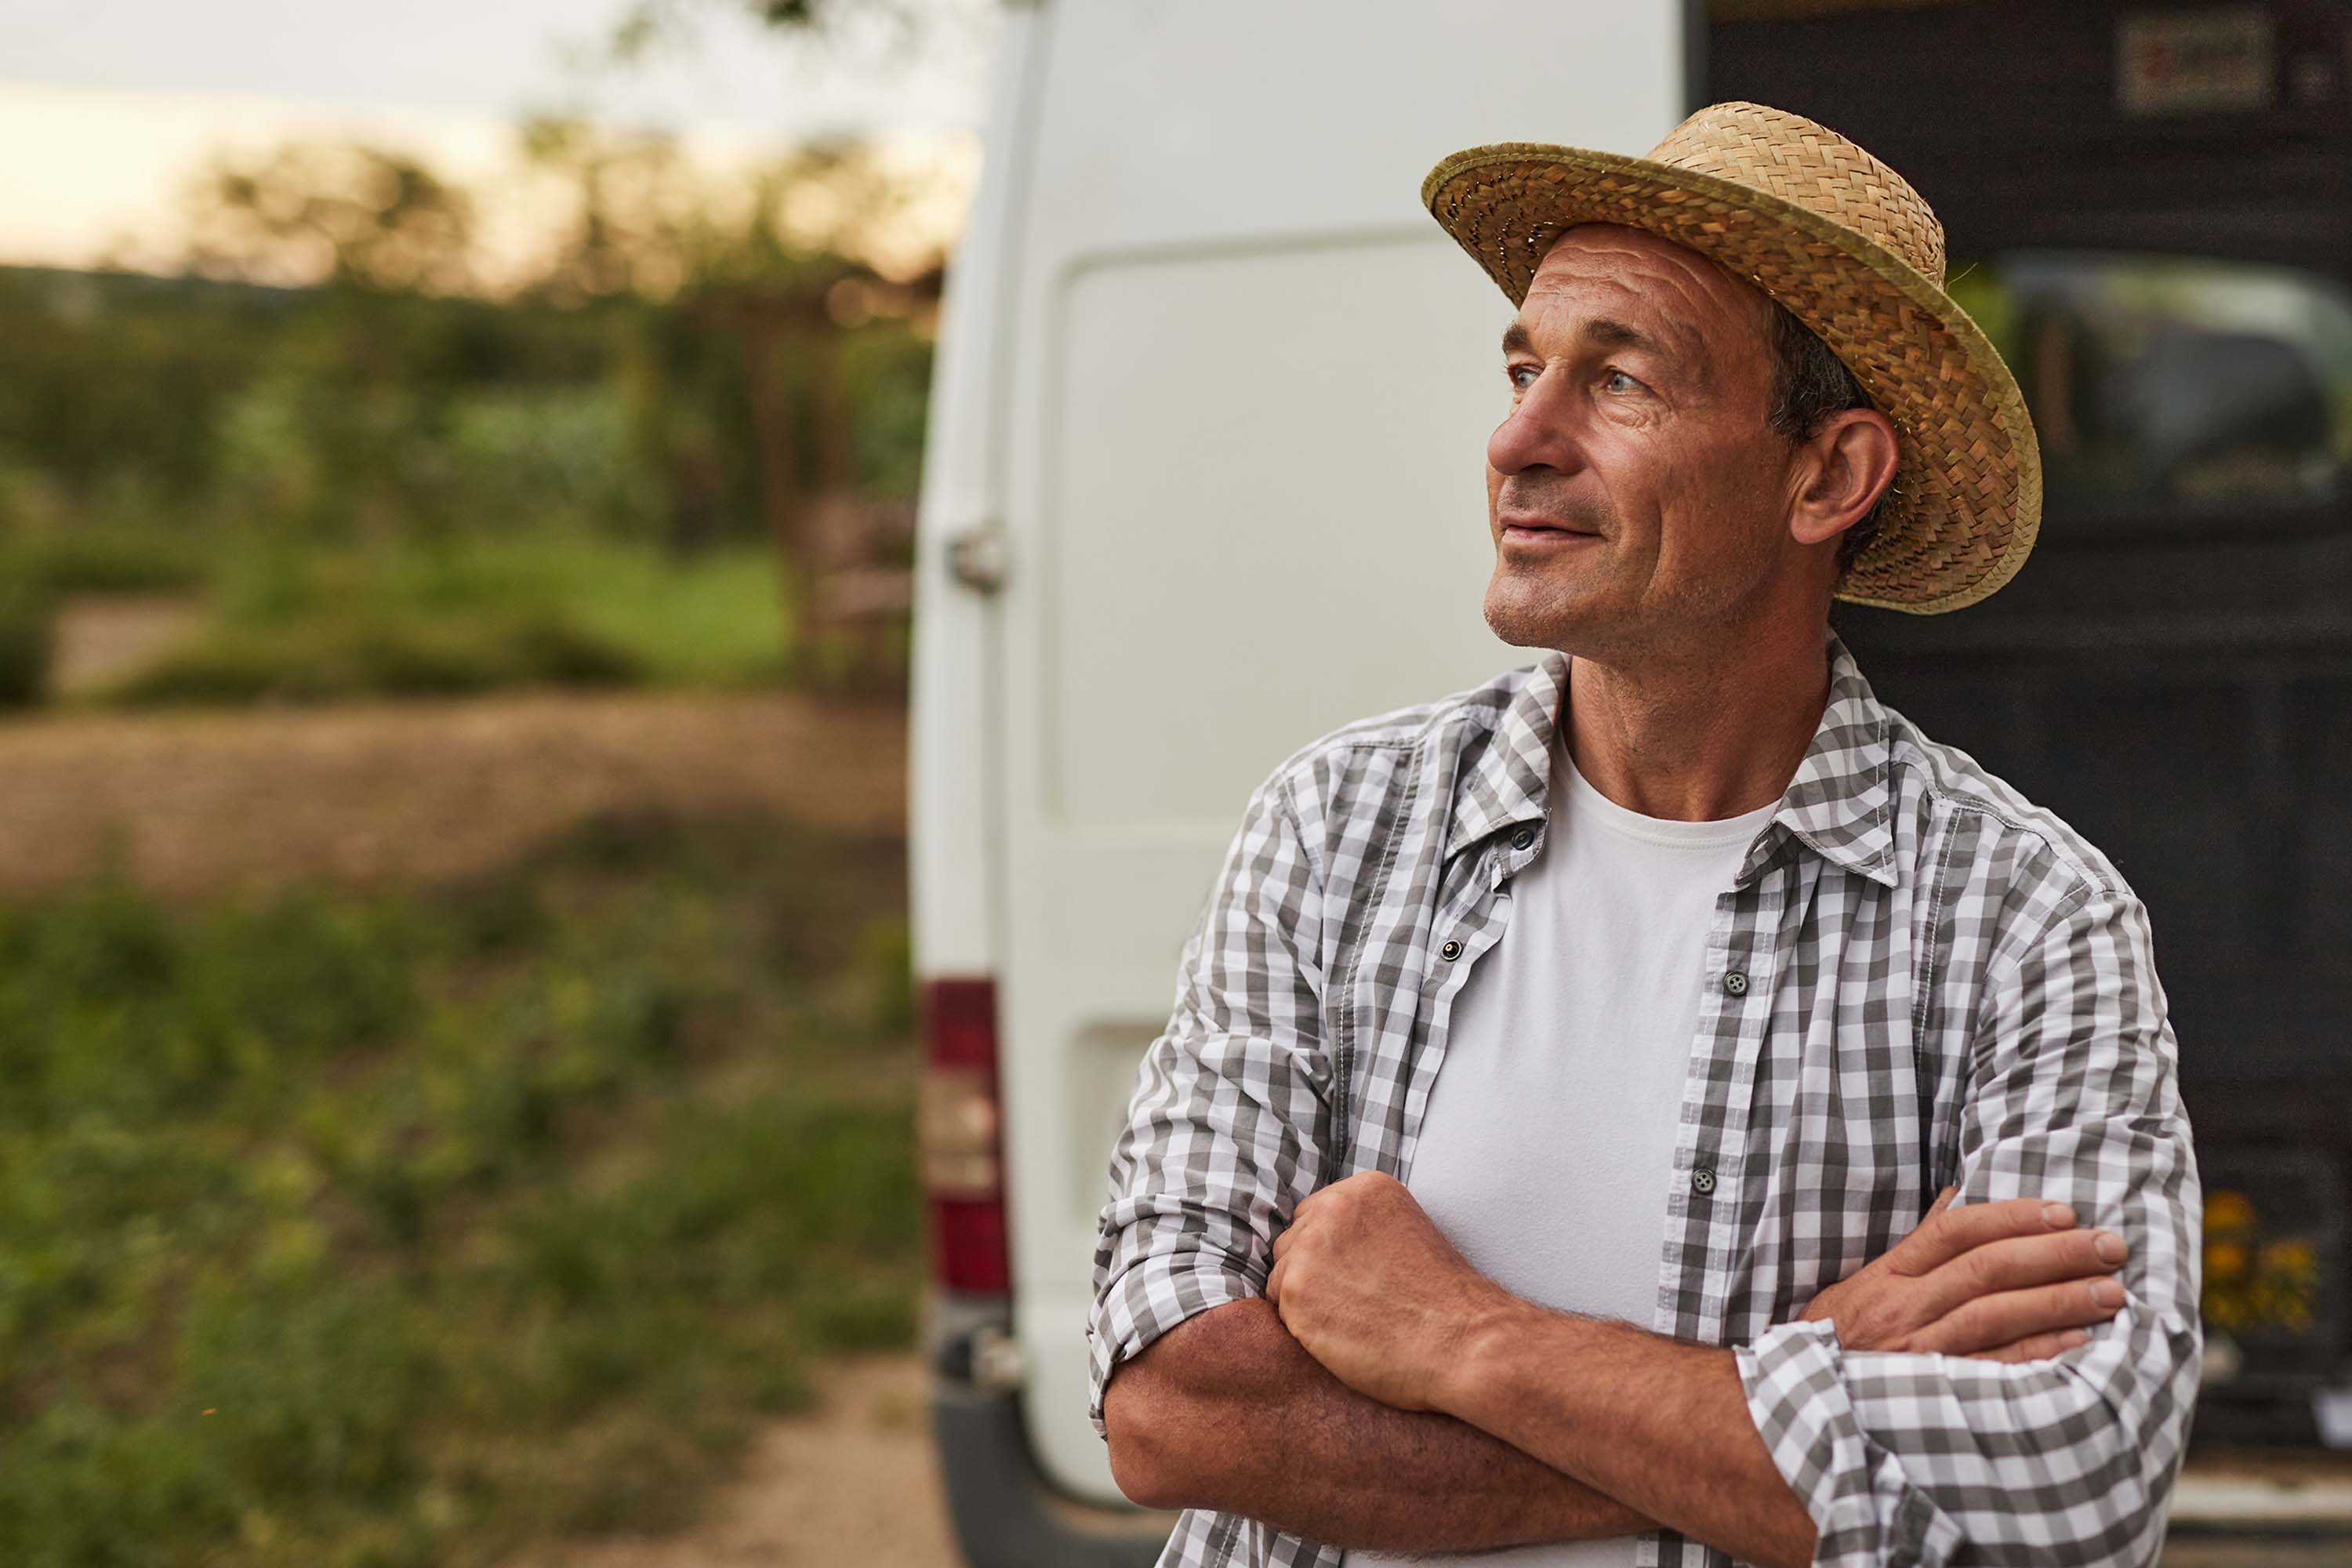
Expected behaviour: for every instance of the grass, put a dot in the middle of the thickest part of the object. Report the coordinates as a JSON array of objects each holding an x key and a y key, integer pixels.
[
  {"x": 307, "y": 625},
  {"x": 366, "y": 1230},
  {"x": 109, "y": 558}
]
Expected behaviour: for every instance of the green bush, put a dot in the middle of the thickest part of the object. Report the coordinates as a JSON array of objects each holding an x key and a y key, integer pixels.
[
  {"x": 886, "y": 971},
  {"x": 323, "y": 660},
  {"x": 316, "y": 626},
  {"x": 105, "y": 559}
]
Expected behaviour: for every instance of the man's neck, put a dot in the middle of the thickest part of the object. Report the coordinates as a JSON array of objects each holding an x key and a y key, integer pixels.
[{"x": 1701, "y": 739}]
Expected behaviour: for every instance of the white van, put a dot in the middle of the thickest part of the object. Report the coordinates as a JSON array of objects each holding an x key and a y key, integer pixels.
[{"x": 1204, "y": 482}]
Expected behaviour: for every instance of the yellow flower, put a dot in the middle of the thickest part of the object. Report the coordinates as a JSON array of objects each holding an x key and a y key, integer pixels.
[{"x": 2228, "y": 1211}]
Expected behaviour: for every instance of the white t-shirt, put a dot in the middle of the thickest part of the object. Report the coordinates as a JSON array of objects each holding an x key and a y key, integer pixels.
[{"x": 1548, "y": 1145}]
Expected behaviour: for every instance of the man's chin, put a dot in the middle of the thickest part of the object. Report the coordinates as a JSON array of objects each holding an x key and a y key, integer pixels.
[{"x": 1532, "y": 620}]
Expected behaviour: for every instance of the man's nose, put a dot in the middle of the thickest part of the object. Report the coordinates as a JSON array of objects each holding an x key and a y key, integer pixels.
[{"x": 1537, "y": 432}]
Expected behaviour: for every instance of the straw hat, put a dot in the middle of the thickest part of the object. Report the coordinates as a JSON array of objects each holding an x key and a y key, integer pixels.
[{"x": 1849, "y": 248}]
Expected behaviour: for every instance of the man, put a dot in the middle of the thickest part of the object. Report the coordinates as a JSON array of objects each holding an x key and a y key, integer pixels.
[{"x": 1805, "y": 1178}]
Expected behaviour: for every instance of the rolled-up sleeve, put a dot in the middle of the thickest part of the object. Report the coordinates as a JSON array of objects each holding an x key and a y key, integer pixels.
[
  {"x": 1229, "y": 1123},
  {"x": 1911, "y": 1458}
]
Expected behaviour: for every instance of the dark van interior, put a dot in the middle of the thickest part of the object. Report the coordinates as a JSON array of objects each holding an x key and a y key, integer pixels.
[{"x": 2150, "y": 213}]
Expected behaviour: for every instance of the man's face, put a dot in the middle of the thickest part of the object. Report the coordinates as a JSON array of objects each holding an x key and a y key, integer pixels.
[{"x": 1636, "y": 494}]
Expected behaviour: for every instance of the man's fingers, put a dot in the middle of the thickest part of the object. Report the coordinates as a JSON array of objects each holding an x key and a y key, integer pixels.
[
  {"x": 1941, "y": 1237},
  {"x": 2018, "y": 1261},
  {"x": 1274, "y": 1281},
  {"x": 1991, "y": 1321},
  {"x": 2037, "y": 1347}
]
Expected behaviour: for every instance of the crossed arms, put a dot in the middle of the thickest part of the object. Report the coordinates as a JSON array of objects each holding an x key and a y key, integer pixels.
[
  {"x": 1416, "y": 1406},
  {"x": 1312, "y": 1355}
]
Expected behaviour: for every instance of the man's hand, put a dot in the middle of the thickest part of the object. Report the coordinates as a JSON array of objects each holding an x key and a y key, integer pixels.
[
  {"x": 2007, "y": 1281},
  {"x": 1366, "y": 1281}
]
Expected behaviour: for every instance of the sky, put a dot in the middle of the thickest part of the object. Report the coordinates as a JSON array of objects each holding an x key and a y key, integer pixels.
[{"x": 107, "y": 107}]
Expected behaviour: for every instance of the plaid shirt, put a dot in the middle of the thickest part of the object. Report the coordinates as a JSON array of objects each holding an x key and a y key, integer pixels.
[{"x": 1916, "y": 978}]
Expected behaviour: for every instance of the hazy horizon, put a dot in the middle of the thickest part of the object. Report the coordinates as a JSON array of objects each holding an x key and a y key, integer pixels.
[{"x": 108, "y": 106}]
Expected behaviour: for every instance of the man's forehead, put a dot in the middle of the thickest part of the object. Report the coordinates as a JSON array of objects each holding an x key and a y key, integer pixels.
[
  {"x": 1625, "y": 272},
  {"x": 1589, "y": 245}
]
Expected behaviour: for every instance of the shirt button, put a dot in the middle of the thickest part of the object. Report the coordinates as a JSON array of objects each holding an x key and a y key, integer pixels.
[
  {"x": 1523, "y": 838},
  {"x": 1734, "y": 983},
  {"x": 1702, "y": 1179},
  {"x": 1451, "y": 950}
]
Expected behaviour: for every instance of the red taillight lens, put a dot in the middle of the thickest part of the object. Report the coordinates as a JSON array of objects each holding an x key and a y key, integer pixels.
[{"x": 962, "y": 1148}]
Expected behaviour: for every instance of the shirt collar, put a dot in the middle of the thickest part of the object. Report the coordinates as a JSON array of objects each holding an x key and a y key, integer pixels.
[{"x": 1838, "y": 801}]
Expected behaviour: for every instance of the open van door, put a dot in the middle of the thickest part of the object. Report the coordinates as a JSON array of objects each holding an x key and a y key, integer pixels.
[
  {"x": 1244, "y": 386},
  {"x": 2146, "y": 211}
]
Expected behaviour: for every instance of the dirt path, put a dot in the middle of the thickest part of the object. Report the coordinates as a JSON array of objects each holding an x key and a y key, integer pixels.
[
  {"x": 97, "y": 638},
  {"x": 201, "y": 801},
  {"x": 853, "y": 1483}
]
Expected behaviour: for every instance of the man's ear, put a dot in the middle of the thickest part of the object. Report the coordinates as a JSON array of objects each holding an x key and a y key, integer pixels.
[{"x": 1840, "y": 473}]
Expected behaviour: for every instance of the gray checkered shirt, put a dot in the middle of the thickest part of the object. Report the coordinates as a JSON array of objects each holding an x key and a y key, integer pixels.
[{"x": 1916, "y": 977}]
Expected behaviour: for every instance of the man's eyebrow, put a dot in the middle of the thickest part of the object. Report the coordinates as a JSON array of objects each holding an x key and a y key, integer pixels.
[{"x": 1603, "y": 331}]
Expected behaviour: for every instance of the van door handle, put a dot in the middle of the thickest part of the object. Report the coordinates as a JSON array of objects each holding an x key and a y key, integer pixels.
[{"x": 976, "y": 557}]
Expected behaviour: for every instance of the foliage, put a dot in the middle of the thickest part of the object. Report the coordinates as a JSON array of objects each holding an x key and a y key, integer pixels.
[
  {"x": 889, "y": 30},
  {"x": 312, "y": 625},
  {"x": 349, "y": 215},
  {"x": 397, "y": 1228},
  {"x": 688, "y": 359},
  {"x": 112, "y": 388},
  {"x": 101, "y": 559}
]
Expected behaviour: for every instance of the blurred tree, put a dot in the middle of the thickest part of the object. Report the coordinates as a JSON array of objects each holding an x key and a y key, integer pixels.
[
  {"x": 758, "y": 296},
  {"x": 689, "y": 355},
  {"x": 337, "y": 214},
  {"x": 897, "y": 25},
  {"x": 111, "y": 389}
]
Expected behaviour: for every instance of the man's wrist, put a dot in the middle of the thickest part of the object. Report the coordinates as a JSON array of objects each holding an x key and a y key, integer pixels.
[{"x": 1492, "y": 1349}]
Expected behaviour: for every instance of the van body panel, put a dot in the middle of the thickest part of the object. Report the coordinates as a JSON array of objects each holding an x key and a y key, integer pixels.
[
  {"x": 952, "y": 874},
  {"x": 1248, "y": 397}
]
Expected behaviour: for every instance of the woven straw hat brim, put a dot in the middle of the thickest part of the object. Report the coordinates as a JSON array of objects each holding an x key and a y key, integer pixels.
[{"x": 1967, "y": 499}]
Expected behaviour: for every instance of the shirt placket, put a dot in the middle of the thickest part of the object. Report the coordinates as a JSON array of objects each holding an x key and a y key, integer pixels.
[
  {"x": 1706, "y": 1207},
  {"x": 1711, "y": 1159},
  {"x": 1471, "y": 920}
]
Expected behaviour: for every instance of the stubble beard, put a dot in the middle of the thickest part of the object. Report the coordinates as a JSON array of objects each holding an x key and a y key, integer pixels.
[
  {"x": 1525, "y": 612},
  {"x": 1528, "y": 607}
]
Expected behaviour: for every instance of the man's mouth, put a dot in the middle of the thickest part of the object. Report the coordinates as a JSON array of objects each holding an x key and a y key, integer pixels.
[{"x": 1542, "y": 530}]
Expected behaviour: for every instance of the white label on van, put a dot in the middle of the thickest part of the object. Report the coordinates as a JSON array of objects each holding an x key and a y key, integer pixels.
[{"x": 2196, "y": 62}]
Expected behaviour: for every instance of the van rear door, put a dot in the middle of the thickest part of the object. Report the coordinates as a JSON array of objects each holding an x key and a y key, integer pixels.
[{"x": 1251, "y": 386}]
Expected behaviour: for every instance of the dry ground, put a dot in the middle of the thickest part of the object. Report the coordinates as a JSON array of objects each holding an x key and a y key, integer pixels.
[
  {"x": 195, "y": 802},
  {"x": 854, "y": 1483},
  {"x": 98, "y": 639}
]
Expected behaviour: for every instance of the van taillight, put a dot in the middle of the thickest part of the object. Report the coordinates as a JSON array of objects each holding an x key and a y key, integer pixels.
[{"x": 962, "y": 1154}]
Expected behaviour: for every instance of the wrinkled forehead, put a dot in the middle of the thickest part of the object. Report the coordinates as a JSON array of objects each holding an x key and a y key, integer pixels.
[{"x": 1595, "y": 266}]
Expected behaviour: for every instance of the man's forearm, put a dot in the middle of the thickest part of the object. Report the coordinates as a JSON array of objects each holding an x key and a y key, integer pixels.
[
  {"x": 1661, "y": 1424},
  {"x": 1228, "y": 1411}
]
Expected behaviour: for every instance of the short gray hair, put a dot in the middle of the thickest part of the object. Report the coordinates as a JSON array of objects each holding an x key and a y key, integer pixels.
[{"x": 1809, "y": 383}]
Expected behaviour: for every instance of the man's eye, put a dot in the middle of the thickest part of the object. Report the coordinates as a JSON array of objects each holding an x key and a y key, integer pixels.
[
  {"x": 1522, "y": 375},
  {"x": 1613, "y": 378}
]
